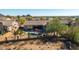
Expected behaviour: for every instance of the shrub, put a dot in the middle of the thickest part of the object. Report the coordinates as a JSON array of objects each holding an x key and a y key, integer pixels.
[
  {"x": 76, "y": 37},
  {"x": 73, "y": 34},
  {"x": 56, "y": 26}
]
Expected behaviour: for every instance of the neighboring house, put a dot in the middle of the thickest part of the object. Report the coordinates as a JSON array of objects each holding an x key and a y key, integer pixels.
[
  {"x": 70, "y": 23},
  {"x": 9, "y": 24},
  {"x": 36, "y": 18},
  {"x": 8, "y": 19},
  {"x": 1, "y": 28},
  {"x": 50, "y": 18},
  {"x": 2, "y": 18},
  {"x": 65, "y": 21},
  {"x": 38, "y": 26},
  {"x": 42, "y": 18}
]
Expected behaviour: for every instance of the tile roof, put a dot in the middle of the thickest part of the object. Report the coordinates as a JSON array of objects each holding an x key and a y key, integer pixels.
[
  {"x": 40, "y": 22},
  {"x": 6, "y": 22}
]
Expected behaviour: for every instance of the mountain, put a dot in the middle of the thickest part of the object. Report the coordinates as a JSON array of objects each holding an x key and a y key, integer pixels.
[{"x": 1, "y": 14}]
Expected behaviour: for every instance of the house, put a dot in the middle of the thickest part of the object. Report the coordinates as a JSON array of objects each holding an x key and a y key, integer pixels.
[{"x": 37, "y": 26}]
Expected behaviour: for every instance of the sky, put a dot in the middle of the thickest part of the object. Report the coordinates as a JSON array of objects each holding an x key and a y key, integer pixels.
[{"x": 41, "y": 12}]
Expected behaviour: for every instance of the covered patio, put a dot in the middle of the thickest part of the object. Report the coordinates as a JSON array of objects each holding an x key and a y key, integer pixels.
[{"x": 36, "y": 26}]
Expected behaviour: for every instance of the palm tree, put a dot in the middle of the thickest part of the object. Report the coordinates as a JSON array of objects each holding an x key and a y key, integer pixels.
[{"x": 21, "y": 22}]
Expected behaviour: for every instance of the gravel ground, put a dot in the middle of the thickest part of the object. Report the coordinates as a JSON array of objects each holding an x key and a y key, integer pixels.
[{"x": 31, "y": 45}]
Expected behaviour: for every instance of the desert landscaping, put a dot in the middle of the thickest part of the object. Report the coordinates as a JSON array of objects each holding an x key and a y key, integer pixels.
[
  {"x": 28, "y": 32},
  {"x": 31, "y": 45}
]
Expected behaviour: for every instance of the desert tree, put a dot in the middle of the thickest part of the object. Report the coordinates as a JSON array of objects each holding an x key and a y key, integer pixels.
[
  {"x": 19, "y": 32},
  {"x": 29, "y": 17},
  {"x": 55, "y": 26}
]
